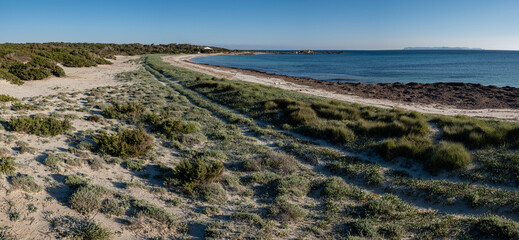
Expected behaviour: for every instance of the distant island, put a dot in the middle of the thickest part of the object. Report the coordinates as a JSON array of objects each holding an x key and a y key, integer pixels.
[{"x": 442, "y": 48}]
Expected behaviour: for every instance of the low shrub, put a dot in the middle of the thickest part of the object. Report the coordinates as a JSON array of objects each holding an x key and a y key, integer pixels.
[
  {"x": 334, "y": 132},
  {"x": 120, "y": 110},
  {"x": 249, "y": 217},
  {"x": 362, "y": 228},
  {"x": 87, "y": 199},
  {"x": 42, "y": 126},
  {"x": 25, "y": 182},
  {"x": 77, "y": 228},
  {"x": 284, "y": 211},
  {"x": 124, "y": 143},
  {"x": 294, "y": 185},
  {"x": 154, "y": 212},
  {"x": 7, "y": 98},
  {"x": 449, "y": 156},
  {"x": 75, "y": 181},
  {"x": 337, "y": 189},
  {"x": 213, "y": 193},
  {"x": 173, "y": 128},
  {"x": 7, "y": 165},
  {"x": 17, "y": 106},
  {"x": 388, "y": 206},
  {"x": 410, "y": 147},
  {"x": 497, "y": 227},
  {"x": 193, "y": 173}
]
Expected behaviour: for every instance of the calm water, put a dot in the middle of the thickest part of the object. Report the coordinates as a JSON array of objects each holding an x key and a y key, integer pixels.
[{"x": 500, "y": 68}]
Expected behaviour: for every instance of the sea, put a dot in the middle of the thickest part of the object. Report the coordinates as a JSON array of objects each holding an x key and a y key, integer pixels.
[{"x": 499, "y": 68}]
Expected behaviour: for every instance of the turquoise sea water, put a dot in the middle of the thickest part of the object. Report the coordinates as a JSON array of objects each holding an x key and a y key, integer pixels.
[{"x": 500, "y": 68}]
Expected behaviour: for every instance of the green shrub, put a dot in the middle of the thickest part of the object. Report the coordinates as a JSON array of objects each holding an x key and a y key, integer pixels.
[
  {"x": 333, "y": 131},
  {"x": 213, "y": 193},
  {"x": 336, "y": 188},
  {"x": 295, "y": 185},
  {"x": 449, "y": 156},
  {"x": 42, "y": 126},
  {"x": 135, "y": 165},
  {"x": 7, "y": 98},
  {"x": 125, "y": 143},
  {"x": 362, "y": 228},
  {"x": 173, "y": 128},
  {"x": 25, "y": 182},
  {"x": 17, "y": 106},
  {"x": 87, "y": 199},
  {"x": 154, "y": 212},
  {"x": 388, "y": 206},
  {"x": 192, "y": 173},
  {"x": 7, "y": 165},
  {"x": 52, "y": 160},
  {"x": 497, "y": 227},
  {"x": 113, "y": 208},
  {"x": 76, "y": 181},
  {"x": 120, "y": 110},
  {"x": 285, "y": 211},
  {"x": 25, "y": 148},
  {"x": 76, "y": 228},
  {"x": 249, "y": 217}
]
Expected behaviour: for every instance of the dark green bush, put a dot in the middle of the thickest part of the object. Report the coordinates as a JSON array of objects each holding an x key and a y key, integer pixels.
[
  {"x": 449, "y": 156},
  {"x": 173, "y": 127},
  {"x": 193, "y": 173},
  {"x": 7, "y": 165},
  {"x": 7, "y": 98},
  {"x": 42, "y": 126},
  {"x": 124, "y": 143}
]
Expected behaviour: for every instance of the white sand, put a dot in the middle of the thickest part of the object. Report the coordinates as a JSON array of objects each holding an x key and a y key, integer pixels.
[
  {"x": 77, "y": 79},
  {"x": 183, "y": 61}
]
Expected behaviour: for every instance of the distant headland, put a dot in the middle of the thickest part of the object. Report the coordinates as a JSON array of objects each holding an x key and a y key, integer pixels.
[{"x": 442, "y": 48}]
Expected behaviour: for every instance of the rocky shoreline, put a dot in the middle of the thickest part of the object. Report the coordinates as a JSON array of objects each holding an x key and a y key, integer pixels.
[{"x": 460, "y": 95}]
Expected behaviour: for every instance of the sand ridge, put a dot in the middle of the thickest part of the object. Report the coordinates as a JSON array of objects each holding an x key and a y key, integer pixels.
[{"x": 268, "y": 79}]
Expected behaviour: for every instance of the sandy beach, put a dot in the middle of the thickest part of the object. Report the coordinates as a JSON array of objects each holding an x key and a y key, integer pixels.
[
  {"x": 327, "y": 90},
  {"x": 76, "y": 79}
]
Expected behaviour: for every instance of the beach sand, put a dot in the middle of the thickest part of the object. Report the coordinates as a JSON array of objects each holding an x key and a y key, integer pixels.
[
  {"x": 324, "y": 90},
  {"x": 76, "y": 79}
]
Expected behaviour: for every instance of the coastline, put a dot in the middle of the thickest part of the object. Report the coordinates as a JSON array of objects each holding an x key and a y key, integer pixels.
[{"x": 475, "y": 100}]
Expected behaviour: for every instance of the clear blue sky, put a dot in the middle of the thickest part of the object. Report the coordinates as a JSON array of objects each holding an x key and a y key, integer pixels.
[{"x": 266, "y": 24}]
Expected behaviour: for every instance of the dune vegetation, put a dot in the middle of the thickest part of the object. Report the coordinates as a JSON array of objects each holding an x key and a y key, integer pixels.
[{"x": 176, "y": 154}]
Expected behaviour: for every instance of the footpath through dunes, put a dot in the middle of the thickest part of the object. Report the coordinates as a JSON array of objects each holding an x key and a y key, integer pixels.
[{"x": 445, "y": 99}]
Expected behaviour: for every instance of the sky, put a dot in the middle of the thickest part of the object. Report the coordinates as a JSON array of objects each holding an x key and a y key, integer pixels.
[{"x": 267, "y": 24}]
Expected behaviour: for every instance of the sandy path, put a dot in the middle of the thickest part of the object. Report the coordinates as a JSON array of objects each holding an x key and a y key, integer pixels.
[
  {"x": 235, "y": 74},
  {"x": 77, "y": 79}
]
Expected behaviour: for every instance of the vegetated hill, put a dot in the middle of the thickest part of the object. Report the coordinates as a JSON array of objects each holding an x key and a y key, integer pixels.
[{"x": 35, "y": 61}]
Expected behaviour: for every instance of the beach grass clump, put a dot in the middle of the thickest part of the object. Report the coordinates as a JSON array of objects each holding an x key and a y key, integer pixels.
[
  {"x": 449, "y": 156},
  {"x": 410, "y": 147},
  {"x": 474, "y": 133},
  {"x": 25, "y": 182},
  {"x": 331, "y": 131},
  {"x": 497, "y": 227},
  {"x": 365, "y": 228},
  {"x": 38, "y": 125},
  {"x": 146, "y": 209},
  {"x": 18, "y": 106},
  {"x": 388, "y": 206},
  {"x": 193, "y": 173},
  {"x": 293, "y": 185},
  {"x": 124, "y": 143},
  {"x": 279, "y": 162}
]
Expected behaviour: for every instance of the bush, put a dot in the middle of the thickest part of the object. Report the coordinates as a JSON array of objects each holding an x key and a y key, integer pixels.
[
  {"x": 295, "y": 185},
  {"x": 124, "y": 110},
  {"x": 285, "y": 211},
  {"x": 173, "y": 128},
  {"x": 388, "y": 206},
  {"x": 42, "y": 126},
  {"x": 7, "y": 165},
  {"x": 336, "y": 188},
  {"x": 154, "y": 212},
  {"x": 213, "y": 193},
  {"x": 17, "y": 106},
  {"x": 449, "y": 156},
  {"x": 25, "y": 182},
  {"x": 410, "y": 147},
  {"x": 125, "y": 143},
  {"x": 192, "y": 173},
  {"x": 87, "y": 199},
  {"x": 76, "y": 228},
  {"x": 75, "y": 181},
  {"x": 7, "y": 98},
  {"x": 498, "y": 227},
  {"x": 362, "y": 228},
  {"x": 333, "y": 131}
]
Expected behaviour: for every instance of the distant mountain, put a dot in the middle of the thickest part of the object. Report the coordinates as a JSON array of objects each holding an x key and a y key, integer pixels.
[{"x": 442, "y": 48}]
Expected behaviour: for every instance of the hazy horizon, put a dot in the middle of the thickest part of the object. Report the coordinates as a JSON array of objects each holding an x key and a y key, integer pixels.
[{"x": 267, "y": 25}]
